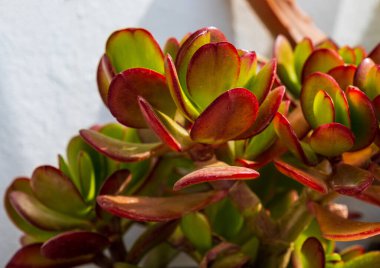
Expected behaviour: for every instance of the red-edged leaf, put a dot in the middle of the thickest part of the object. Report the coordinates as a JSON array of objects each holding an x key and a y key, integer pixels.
[
  {"x": 371, "y": 195},
  {"x": 267, "y": 111},
  {"x": 52, "y": 187},
  {"x": 376, "y": 106},
  {"x": 361, "y": 75},
  {"x": 288, "y": 137},
  {"x": 311, "y": 86},
  {"x": 321, "y": 60},
  {"x": 215, "y": 173},
  {"x": 348, "y": 54},
  {"x": 337, "y": 228},
  {"x": 307, "y": 176},
  {"x": 116, "y": 182},
  {"x": 264, "y": 80},
  {"x": 171, "y": 47},
  {"x": 248, "y": 65},
  {"x": 301, "y": 52},
  {"x": 126, "y": 86},
  {"x": 227, "y": 117},
  {"x": 220, "y": 249},
  {"x": 313, "y": 253},
  {"x": 180, "y": 96},
  {"x": 332, "y": 139},
  {"x": 363, "y": 119},
  {"x": 323, "y": 107},
  {"x": 343, "y": 75},
  {"x": 350, "y": 180},
  {"x": 375, "y": 54},
  {"x": 133, "y": 48},
  {"x": 104, "y": 75},
  {"x": 213, "y": 69},
  {"x": 74, "y": 244},
  {"x": 30, "y": 256},
  {"x": 328, "y": 43},
  {"x": 158, "y": 208},
  {"x": 117, "y": 149},
  {"x": 352, "y": 252},
  {"x": 360, "y": 54}
]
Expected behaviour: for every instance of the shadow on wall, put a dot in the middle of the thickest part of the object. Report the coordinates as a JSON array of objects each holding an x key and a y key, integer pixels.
[
  {"x": 188, "y": 17},
  {"x": 371, "y": 35}
]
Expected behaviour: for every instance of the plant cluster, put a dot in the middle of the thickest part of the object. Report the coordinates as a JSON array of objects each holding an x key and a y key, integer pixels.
[{"x": 220, "y": 154}]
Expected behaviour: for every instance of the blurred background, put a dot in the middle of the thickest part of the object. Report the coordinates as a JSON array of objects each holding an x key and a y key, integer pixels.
[{"x": 49, "y": 52}]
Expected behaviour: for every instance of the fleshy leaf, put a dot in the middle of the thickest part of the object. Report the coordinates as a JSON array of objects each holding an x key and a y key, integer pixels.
[
  {"x": 41, "y": 216},
  {"x": 267, "y": 111},
  {"x": 321, "y": 60},
  {"x": 52, "y": 187},
  {"x": 158, "y": 208},
  {"x": 30, "y": 256},
  {"x": 202, "y": 238},
  {"x": 361, "y": 75},
  {"x": 313, "y": 253},
  {"x": 371, "y": 195},
  {"x": 301, "y": 52},
  {"x": 311, "y": 86},
  {"x": 343, "y": 75},
  {"x": 117, "y": 149},
  {"x": 263, "y": 81},
  {"x": 363, "y": 119},
  {"x": 328, "y": 43},
  {"x": 360, "y": 54},
  {"x": 248, "y": 66},
  {"x": 350, "y": 180},
  {"x": 348, "y": 54},
  {"x": 352, "y": 252},
  {"x": 309, "y": 177},
  {"x": 171, "y": 47},
  {"x": 332, "y": 139},
  {"x": 86, "y": 176},
  {"x": 214, "y": 173},
  {"x": 370, "y": 259},
  {"x": 213, "y": 69},
  {"x": 116, "y": 182},
  {"x": 221, "y": 249},
  {"x": 323, "y": 107},
  {"x": 172, "y": 134},
  {"x": 375, "y": 54},
  {"x": 74, "y": 244},
  {"x": 336, "y": 228},
  {"x": 132, "y": 48},
  {"x": 288, "y": 137},
  {"x": 227, "y": 117},
  {"x": 104, "y": 75},
  {"x": 180, "y": 96},
  {"x": 126, "y": 86},
  {"x": 376, "y": 106}
]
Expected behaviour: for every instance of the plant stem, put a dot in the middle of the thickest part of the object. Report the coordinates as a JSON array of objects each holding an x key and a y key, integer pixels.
[{"x": 118, "y": 250}]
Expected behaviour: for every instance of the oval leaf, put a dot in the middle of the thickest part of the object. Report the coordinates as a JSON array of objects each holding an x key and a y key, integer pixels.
[
  {"x": 343, "y": 75},
  {"x": 264, "y": 80},
  {"x": 104, "y": 75},
  {"x": 158, "y": 208},
  {"x": 313, "y": 253},
  {"x": 171, "y": 47},
  {"x": 323, "y": 107},
  {"x": 248, "y": 65},
  {"x": 228, "y": 116}
]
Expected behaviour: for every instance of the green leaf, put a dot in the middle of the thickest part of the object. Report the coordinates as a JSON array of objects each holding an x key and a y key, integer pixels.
[
  {"x": 128, "y": 85},
  {"x": 352, "y": 252},
  {"x": 360, "y": 54},
  {"x": 171, "y": 47},
  {"x": 370, "y": 259},
  {"x": 262, "y": 83},
  {"x": 132, "y": 48},
  {"x": 86, "y": 176},
  {"x": 301, "y": 52},
  {"x": 348, "y": 54},
  {"x": 323, "y": 106},
  {"x": 213, "y": 69},
  {"x": 201, "y": 238},
  {"x": 227, "y": 117},
  {"x": 248, "y": 66}
]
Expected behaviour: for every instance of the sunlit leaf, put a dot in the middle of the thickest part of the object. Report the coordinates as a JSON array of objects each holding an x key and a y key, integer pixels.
[
  {"x": 171, "y": 47},
  {"x": 264, "y": 80},
  {"x": 323, "y": 106},
  {"x": 343, "y": 75},
  {"x": 248, "y": 66}
]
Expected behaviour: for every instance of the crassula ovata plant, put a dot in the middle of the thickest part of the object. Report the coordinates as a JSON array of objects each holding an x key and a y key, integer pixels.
[{"x": 222, "y": 155}]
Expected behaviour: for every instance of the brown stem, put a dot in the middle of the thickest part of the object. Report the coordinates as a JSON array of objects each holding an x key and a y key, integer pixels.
[{"x": 286, "y": 18}]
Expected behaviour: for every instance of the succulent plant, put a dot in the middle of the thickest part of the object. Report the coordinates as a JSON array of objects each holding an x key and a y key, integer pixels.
[{"x": 220, "y": 154}]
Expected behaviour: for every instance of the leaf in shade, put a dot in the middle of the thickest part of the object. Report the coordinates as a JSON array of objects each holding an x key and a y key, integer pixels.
[
  {"x": 132, "y": 48},
  {"x": 116, "y": 182},
  {"x": 169, "y": 131},
  {"x": 57, "y": 192},
  {"x": 375, "y": 54},
  {"x": 41, "y": 216},
  {"x": 179, "y": 95},
  {"x": 202, "y": 238},
  {"x": 352, "y": 252},
  {"x": 336, "y": 228},
  {"x": 263, "y": 81},
  {"x": 213, "y": 69},
  {"x": 248, "y": 66},
  {"x": 171, "y": 47},
  {"x": 363, "y": 118},
  {"x": 301, "y": 52},
  {"x": 191, "y": 45},
  {"x": 307, "y": 176},
  {"x": 343, "y": 75},
  {"x": 267, "y": 111},
  {"x": 86, "y": 176},
  {"x": 215, "y": 172},
  {"x": 288, "y": 137},
  {"x": 311, "y": 86},
  {"x": 23, "y": 185},
  {"x": 332, "y": 139},
  {"x": 160, "y": 232},
  {"x": 323, "y": 107},
  {"x": 117, "y": 149},
  {"x": 30, "y": 256},
  {"x": 321, "y": 60},
  {"x": 350, "y": 180},
  {"x": 227, "y": 117},
  {"x": 220, "y": 249},
  {"x": 370, "y": 259},
  {"x": 370, "y": 195},
  {"x": 126, "y": 86},
  {"x": 348, "y": 54},
  {"x": 158, "y": 208},
  {"x": 74, "y": 244},
  {"x": 313, "y": 253},
  {"x": 376, "y": 106},
  {"x": 104, "y": 75}
]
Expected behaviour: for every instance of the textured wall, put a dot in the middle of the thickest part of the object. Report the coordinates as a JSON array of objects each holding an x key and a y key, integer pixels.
[{"x": 49, "y": 51}]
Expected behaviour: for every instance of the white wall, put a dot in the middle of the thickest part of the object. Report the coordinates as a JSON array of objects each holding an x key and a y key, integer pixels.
[{"x": 49, "y": 52}]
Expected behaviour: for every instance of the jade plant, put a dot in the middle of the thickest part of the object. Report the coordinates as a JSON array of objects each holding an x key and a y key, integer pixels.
[{"x": 219, "y": 154}]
